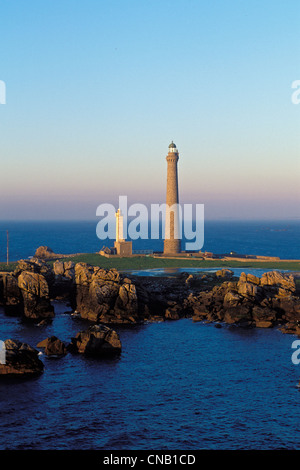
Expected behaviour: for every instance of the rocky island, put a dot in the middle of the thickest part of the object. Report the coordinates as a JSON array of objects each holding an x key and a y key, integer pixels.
[{"x": 106, "y": 297}]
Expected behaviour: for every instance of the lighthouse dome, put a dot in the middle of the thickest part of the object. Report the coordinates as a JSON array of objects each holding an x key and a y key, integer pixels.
[{"x": 172, "y": 145}]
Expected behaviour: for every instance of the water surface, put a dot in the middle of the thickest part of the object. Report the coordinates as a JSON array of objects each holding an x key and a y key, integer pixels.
[{"x": 177, "y": 385}]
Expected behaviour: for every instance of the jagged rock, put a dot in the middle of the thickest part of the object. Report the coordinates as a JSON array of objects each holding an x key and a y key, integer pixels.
[
  {"x": 249, "y": 278},
  {"x": 288, "y": 307},
  {"x": 253, "y": 279},
  {"x": 263, "y": 314},
  {"x": 64, "y": 269},
  {"x": 44, "y": 252},
  {"x": 53, "y": 346},
  {"x": 58, "y": 268},
  {"x": 10, "y": 294},
  {"x": 108, "y": 275},
  {"x": 291, "y": 328},
  {"x": 25, "y": 265},
  {"x": 199, "y": 315},
  {"x": 225, "y": 273},
  {"x": 35, "y": 292},
  {"x": 238, "y": 315},
  {"x": 96, "y": 301},
  {"x": 283, "y": 292},
  {"x": 20, "y": 360},
  {"x": 247, "y": 289},
  {"x": 127, "y": 301},
  {"x": 35, "y": 265},
  {"x": 83, "y": 274},
  {"x": 97, "y": 340},
  {"x": 27, "y": 292},
  {"x": 280, "y": 280},
  {"x": 102, "y": 296},
  {"x": 69, "y": 269},
  {"x": 199, "y": 305},
  {"x": 63, "y": 286},
  {"x": 33, "y": 283},
  {"x": 173, "y": 312},
  {"x": 261, "y": 302},
  {"x": 232, "y": 299}
]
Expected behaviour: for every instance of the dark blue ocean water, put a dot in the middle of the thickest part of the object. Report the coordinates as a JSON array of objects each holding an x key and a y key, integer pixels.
[
  {"x": 280, "y": 238},
  {"x": 176, "y": 385}
]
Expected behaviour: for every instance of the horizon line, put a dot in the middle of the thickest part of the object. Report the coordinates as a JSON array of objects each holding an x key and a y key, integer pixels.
[{"x": 224, "y": 219}]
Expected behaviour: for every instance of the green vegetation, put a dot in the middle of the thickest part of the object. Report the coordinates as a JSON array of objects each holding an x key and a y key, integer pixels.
[
  {"x": 8, "y": 268},
  {"x": 148, "y": 262}
]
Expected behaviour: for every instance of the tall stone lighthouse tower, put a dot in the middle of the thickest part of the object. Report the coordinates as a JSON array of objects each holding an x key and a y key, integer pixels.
[{"x": 172, "y": 242}]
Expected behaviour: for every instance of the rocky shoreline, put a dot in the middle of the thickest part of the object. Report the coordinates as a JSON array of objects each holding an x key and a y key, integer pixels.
[{"x": 106, "y": 298}]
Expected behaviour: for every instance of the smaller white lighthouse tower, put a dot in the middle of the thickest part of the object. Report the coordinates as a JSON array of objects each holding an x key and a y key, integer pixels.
[
  {"x": 123, "y": 248},
  {"x": 119, "y": 226}
]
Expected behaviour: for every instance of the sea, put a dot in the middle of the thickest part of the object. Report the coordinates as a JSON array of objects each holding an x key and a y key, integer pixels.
[
  {"x": 270, "y": 238},
  {"x": 178, "y": 385}
]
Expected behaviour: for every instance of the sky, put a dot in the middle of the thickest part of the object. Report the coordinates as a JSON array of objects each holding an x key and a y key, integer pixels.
[{"x": 96, "y": 90}]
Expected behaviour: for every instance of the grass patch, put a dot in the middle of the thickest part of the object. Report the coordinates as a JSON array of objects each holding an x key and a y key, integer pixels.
[
  {"x": 148, "y": 262},
  {"x": 8, "y": 268}
]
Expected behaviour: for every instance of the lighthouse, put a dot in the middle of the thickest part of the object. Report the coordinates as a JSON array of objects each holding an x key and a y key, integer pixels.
[
  {"x": 122, "y": 247},
  {"x": 119, "y": 226},
  {"x": 172, "y": 242}
]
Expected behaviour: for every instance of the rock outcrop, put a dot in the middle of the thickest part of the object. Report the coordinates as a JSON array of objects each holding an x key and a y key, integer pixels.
[
  {"x": 250, "y": 301},
  {"x": 225, "y": 273},
  {"x": 63, "y": 286},
  {"x": 97, "y": 341},
  {"x": 285, "y": 283},
  {"x": 35, "y": 292},
  {"x": 173, "y": 312},
  {"x": 99, "y": 295},
  {"x": 20, "y": 360},
  {"x": 103, "y": 296},
  {"x": 35, "y": 265},
  {"x": 44, "y": 252},
  {"x": 64, "y": 269},
  {"x": 26, "y": 290},
  {"x": 53, "y": 346},
  {"x": 10, "y": 294}
]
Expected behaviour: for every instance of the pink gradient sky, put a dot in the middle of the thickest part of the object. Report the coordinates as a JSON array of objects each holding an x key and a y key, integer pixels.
[{"x": 95, "y": 95}]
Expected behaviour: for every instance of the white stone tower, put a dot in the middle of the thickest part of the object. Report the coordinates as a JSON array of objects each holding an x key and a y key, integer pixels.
[
  {"x": 123, "y": 248},
  {"x": 119, "y": 226}
]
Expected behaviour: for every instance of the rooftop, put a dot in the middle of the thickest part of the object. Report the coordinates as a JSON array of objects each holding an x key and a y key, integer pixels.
[{"x": 172, "y": 145}]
